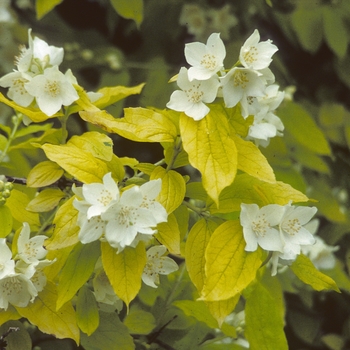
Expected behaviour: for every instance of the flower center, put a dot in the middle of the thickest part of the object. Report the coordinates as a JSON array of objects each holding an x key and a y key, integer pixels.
[
  {"x": 292, "y": 226},
  {"x": 30, "y": 250},
  {"x": 11, "y": 286},
  {"x": 105, "y": 197},
  {"x": 260, "y": 225},
  {"x": 52, "y": 88},
  {"x": 208, "y": 61},
  {"x": 194, "y": 94},
  {"x": 126, "y": 216},
  {"x": 18, "y": 86},
  {"x": 251, "y": 55},
  {"x": 241, "y": 79}
]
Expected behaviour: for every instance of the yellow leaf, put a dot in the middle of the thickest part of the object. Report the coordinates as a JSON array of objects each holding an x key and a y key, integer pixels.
[
  {"x": 124, "y": 270},
  {"x": 237, "y": 122},
  {"x": 131, "y": 9},
  {"x": 211, "y": 150},
  {"x": 9, "y": 314},
  {"x": 65, "y": 227},
  {"x": 46, "y": 200},
  {"x": 5, "y": 220},
  {"x": 196, "y": 245},
  {"x": 252, "y": 161},
  {"x": 36, "y": 115},
  {"x": 116, "y": 167},
  {"x": 229, "y": 268},
  {"x": 247, "y": 189},
  {"x": 173, "y": 188},
  {"x": 44, "y": 174},
  {"x": 43, "y": 7},
  {"x": 222, "y": 308},
  {"x": 169, "y": 235},
  {"x": 17, "y": 203},
  {"x": 307, "y": 272},
  {"x": 42, "y": 313},
  {"x": 95, "y": 143},
  {"x": 80, "y": 164}
]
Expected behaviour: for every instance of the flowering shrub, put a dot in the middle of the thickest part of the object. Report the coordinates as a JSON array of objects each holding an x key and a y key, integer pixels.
[{"x": 93, "y": 243}]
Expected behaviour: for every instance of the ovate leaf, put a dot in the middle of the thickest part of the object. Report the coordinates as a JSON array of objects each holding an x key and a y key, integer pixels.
[
  {"x": 173, "y": 188},
  {"x": 222, "y": 308},
  {"x": 229, "y": 268},
  {"x": 307, "y": 272},
  {"x": 65, "y": 225},
  {"x": 130, "y": 9},
  {"x": 111, "y": 334},
  {"x": 5, "y": 220},
  {"x": 87, "y": 311},
  {"x": 46, "y": 200},
  {"x": 44, "y": 174},
  {"x": 169, "y": 234},
  {"x": 79, "y": 163},
  {"x": 42, "y": 313},
  {"x": 43, "y": 7},
  {"x": 124, "y": 270},
  {"x": 77, "y": 270},
  {"x": 140, "y": 321},
  {"x": 211, "y": 150},
  {"x": 265, "y": 317}
]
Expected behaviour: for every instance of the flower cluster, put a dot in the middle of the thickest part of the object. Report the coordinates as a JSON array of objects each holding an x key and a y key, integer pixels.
[
  {"x": 22, "y": 278},
  {"x": 250, "y": 82},
  {"x": 276, "y": 228},
  {"x": 5, "y": 189},
  {"x": 37, "y": 78},
  {"x": 123, "y": 219}
]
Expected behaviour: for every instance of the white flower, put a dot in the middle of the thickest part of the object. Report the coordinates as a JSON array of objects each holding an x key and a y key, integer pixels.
[
  {"x": 126, "y": 218},
  {"x": 30, "y": 250},
  {"x": 194, "y": 17},
  {"x": 52, "y": 89},
  {"x": 240, "y": 83},
  {"x": 16, "y": 81},
  {"x": 157, "y": 264},
  {"x": 193, "y": 96},
  {"x": 7, "y": 265},
  {"x": 321, "y": 254},
  {"x": 258, "y": 226},
  {"x": 257, "y": 55},
  {"x": 17, "y": 289},
  {"x": 100, "y": 196},
  {"x": 206, "y": 60},
  {"x": 292, "y": 227}
]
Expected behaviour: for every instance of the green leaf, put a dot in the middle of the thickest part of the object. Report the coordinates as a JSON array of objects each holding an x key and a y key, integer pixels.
[
  {"x": 173, "y": 188},
  {"x": 44, "y": 174},
  {"x": 264, "y": 317},
  {"x": 65, "y": 225},
  {"x": 79, "y": 163},
  {"x": 130, "y": 9},
  {"x": 229, "y": 268},
  {"x": 196, "y": 246},
  {"x": 42, "y": 313},
  {"x": 211, "y": 150},
  {"x": 18, "y": 339},
  {"x": 43, "y": 7},
  {"x": 335, "y": 31},
  {"x": 6, "y": 221},
  {"x": 46, "y": 200},
  {"x": 31, "y": 129},
  {"x": 77, "y": 270},
  {"x": 140, "y": 321},
  {"x": 111, "y": 334},
  {"x": 307, "y": 272},
  {"x": 307, "y": 23},
  {"x": 87, "y": 311},
  {"x": 169, "y": 234},
  {"x": 95, "y": 143},
  {"x": 302, "y": 127},
  {"x": 124, "y": 270}
]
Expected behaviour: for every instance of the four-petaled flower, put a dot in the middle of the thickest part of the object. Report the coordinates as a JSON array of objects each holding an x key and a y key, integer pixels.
[{"x": 156, "y": 265}]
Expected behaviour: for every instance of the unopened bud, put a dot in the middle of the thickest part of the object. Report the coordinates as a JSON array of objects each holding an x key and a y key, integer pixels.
[{"x": 6, "y": 193}]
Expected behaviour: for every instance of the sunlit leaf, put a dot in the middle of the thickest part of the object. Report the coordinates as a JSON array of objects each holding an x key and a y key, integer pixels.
[
  {"x": 44, "y": 174},
  {"x": 169, "y": 234},
  {"x": 46, "y": 200},
  {"x": 5, "y": 220},
  {"x": 130, "y": 9}
]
